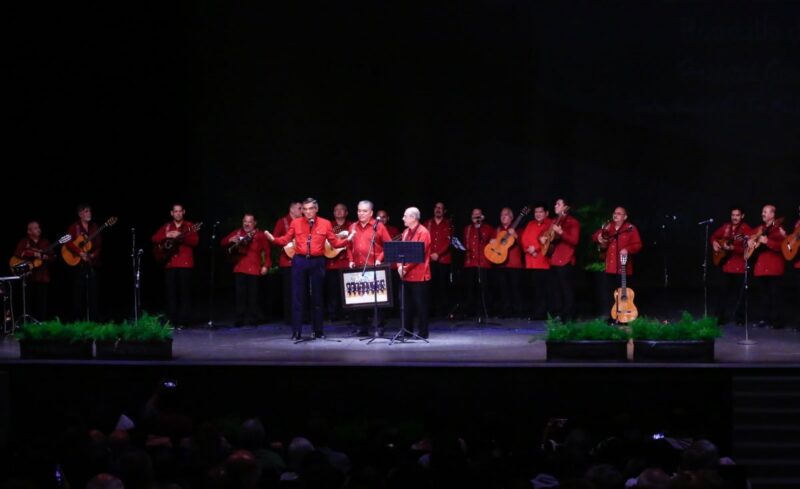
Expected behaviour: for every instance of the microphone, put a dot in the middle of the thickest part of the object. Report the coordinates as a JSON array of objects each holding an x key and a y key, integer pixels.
[
  {"x": 140, "y": 252},
  {"x": 216, "y": 223},
  {"x": 311, "y": 222},
  {"x": 671, "y": 216},
  {"x": 707, "y": 221}
]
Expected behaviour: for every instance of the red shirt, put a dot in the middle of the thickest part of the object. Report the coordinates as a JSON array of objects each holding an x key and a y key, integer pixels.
[
  {"x": 300, "y": 231},
  {"x": 797, "y": 261},
  {"x": 340, "y": 262},
  {"x": 626, "y": 237},
  {"x": 250, "y": 258},
  {"x": 76, "y": 229},
  {"x": 184, "y": 257},
  {"x": 26, "y": 249},
  {"x": 441, "y": 234},
  {"x": 514, "y": 252},
  {"x": 393, "y": 231},
  {"x": 565, "y": 244},
  {"x": 281, "y": 227},
  {"x": 475, "y": 240},
  {"x": 770, "y": 262},
  {"x": 530, "y": 237},
  {"x": 358, "y": 248},
  {"x": 418, "y": 272},
  {"x": 734, "y": 263}
]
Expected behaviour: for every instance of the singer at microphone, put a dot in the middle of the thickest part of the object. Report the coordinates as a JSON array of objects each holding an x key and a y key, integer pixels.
[
  {"x": 475, "y": 262},
  {"x": 620, "y": 241}
]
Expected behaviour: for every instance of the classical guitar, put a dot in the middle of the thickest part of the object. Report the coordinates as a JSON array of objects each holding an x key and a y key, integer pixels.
[
  {"x": 720, "y": 256},
  {"x": 496, "y": 251},
  {"x": 23, "y": 265},
  {"x": 84, "y": 244},
  {"x": 624, "y": 310},
  {"x": 752, "y": 242},
  {"x": 790, "y": 244},
  {"x": 163, "y": 251},
  {"x": 330, "y": 251},
  {"x": 550, "y": 234}
]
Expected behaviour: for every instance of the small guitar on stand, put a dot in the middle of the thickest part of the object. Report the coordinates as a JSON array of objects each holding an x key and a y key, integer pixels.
[
  {"x": 164, "y": 251},
  {"x": 753, "y": 244},
  {"x": 624, "y": 310},
  {"x": 84, "y": 244},
  {"x": 496, "y": 251},
  {"x": 21, "y": 265},
  {"x": 550, "y": 234}
]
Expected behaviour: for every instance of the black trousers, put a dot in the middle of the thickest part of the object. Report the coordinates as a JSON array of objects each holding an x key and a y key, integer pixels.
[
  {"x": 563, "y": 286},
  {"x": 307, "y": 272},
  {"x": 770, "y": 300},
  {"x": 84, "y": 293},
  {"x": 477, "y": 291},
  {"x": 730, "y": 298},
  {"x": 178, "y": 285},
  {"x": 508, "y": 284},
  {"x": 797, "y": 298},
  {"x": 440, "y": 288},
  {"x": 416, "y": 306},
  {"x": 247, "y": 308},
  {"x": 37, "y": 300},
  {"x": 286, "y": 290},
  {"x": 542, "y": 294},
  {"x": 333, "y": 294}
]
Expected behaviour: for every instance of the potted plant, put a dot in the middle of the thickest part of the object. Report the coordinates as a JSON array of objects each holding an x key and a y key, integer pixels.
[
  {"x": 687, "y": 340},
  {"x": 56, "y": 340},
  {"x": 146, "y": 340},
  {"x": 586, "y": 340}
]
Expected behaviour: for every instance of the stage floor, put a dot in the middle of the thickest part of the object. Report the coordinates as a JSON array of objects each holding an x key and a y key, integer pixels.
[{"x": 512, "y": 343}]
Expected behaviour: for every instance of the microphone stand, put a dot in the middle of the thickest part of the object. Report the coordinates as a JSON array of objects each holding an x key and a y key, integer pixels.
[
  {"x": 746, "y": 286},
  {"x": 135, "y": 262},
  {"x": 705, "y": 273},
  {"x": 376, "y": 333},
  {"x": 211, "y": 248}
]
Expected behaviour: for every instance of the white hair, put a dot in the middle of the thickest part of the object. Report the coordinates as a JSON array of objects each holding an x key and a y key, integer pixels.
[
  {"x": 414, "y": 212},
  {"x": 367, "y": 203}
]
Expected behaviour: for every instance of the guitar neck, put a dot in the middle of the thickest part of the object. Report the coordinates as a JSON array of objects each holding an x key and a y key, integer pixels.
[{"x": 624, "y": 278}]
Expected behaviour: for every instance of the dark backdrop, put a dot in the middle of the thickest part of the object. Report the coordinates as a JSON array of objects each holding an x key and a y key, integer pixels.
[{"x": 671, "y": 108}]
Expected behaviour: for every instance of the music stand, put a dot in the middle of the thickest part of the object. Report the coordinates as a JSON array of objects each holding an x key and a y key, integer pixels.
[{"x": 403, "y": 252}]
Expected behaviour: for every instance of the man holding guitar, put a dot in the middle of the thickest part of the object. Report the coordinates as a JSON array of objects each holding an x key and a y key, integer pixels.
[
  {"x": 173, "y": 245},
  {"x": 566, "y": 231},
  {"x": 335, "y": 263},
  {"x": 284, "y": 260},
  {"x": 536, "y": 261},
  {"x": 34, "y": 249},
  {"x": 250, "y": 250},
  {"x": 620, "y": 239},
  {"x": 727, "y": 244},
  {"x": 476, "y": 236},
  {"x": 85, "y": 249},
  {"x": 769, "y": 268},
  {"x": 508, "y": 274}
]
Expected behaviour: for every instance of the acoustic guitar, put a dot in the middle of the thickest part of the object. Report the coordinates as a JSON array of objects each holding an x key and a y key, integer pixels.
[
  {"x": 163, "y": 251},
  {"x": 330, "y": 251},
  {"x": 752, "y": 242},
  {"x": 550, "y": 234},
  {"x": 790, "y": 244},
  {"x": 84, "y": 244},
  {"x": 238, "y": 245},
  {"x": 624, "y": 310},
  {"x": 720, "y": 256},
  {"x": 21, "y": 265},
  {"x": 496, "y": 251}
]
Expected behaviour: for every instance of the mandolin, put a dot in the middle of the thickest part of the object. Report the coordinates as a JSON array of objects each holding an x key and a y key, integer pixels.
[
  {"x": 84, "y": 244},
  {"x": 165, "y": 250},
  {"x": 241, "y": 242},
  {"x": 550, "y": 234},
  {"x": 624, "y": 310},
  {"x": 790, "y": 244},
  {"x": 496, "y": 251},
  {"x": 23, "y": 265},
  {"x": 752, "y": 242}
]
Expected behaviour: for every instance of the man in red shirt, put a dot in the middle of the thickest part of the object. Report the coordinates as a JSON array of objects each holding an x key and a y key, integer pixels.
[
  {"x": 250, "y": 250},
  {"x": 769, "y": 268},
  {"x": 621, "y": 238},
  {"x": 179, "y": 264},
  {"x": 85, "y": 276},
  {"x": 30, "y": 248},
  {"x": 334, "y": 266},
  {"x": 731, "y": 237},
  {"x": 416, "y": 276},
  {"x": 441, "y": 230},
  {"x": 384, "y": 218},
  {"x": 362, "y": 252},
  {"x": 284, "y": 262},
  {"x": 537, "y": 262},
  {"x": 508, "y": 275},
  {"x": 797, "y": 279},
  {"x": 308, "y": 265},
  {"x": 567, "y": 232},
  {"x": 477, "y": 295}
]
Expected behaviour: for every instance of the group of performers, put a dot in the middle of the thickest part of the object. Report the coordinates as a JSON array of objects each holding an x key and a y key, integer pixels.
[{"x": 314, "y": 249}]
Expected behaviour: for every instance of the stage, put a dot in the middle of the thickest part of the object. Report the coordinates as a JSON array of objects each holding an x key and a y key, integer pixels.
[{"x": 507, "y": 343}]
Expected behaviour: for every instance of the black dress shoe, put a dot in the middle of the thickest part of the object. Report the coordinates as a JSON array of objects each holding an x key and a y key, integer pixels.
[
  {"x": 318, "y": 336},
  {"x": 362, "y": 333},
  {"x": 295, "y": 336}
]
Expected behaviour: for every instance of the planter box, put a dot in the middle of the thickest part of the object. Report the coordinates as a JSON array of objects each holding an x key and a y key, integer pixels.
[
  {"x": 673, "y": 351},
  {"x": 48, "y": 349},
  {"x": 134, "y": 350},
  {"x": 596, "y": 350}
]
